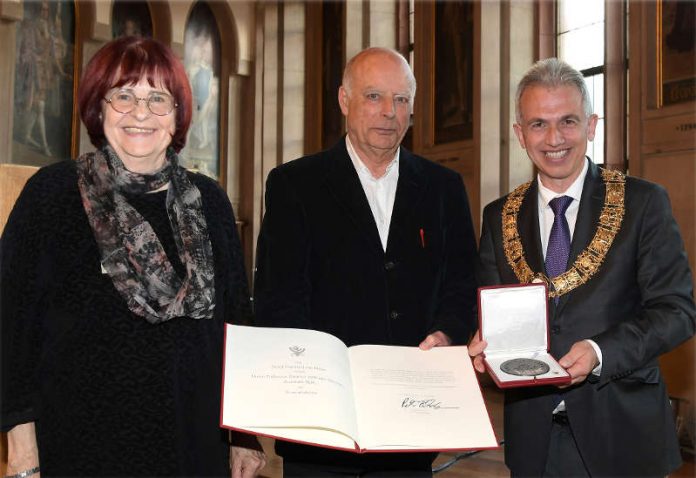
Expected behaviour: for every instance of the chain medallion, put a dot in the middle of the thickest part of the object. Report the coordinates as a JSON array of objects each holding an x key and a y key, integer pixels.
[{"x": 588, "y": 261}]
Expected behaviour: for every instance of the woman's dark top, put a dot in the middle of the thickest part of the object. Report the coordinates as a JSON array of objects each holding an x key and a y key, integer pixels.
[{"x": 111, "y": 394}]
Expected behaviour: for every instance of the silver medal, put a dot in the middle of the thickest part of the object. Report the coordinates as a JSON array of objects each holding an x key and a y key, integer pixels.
[{"x": 524, "y": 367}]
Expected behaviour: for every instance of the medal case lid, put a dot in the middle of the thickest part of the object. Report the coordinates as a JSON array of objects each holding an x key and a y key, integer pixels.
[{"x": 514, "y": 319}]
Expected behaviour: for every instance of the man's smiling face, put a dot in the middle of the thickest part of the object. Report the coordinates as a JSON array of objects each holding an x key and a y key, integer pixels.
[{"x": 554, "y": 130}]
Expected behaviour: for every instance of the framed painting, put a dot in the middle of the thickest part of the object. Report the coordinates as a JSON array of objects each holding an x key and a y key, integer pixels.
[
  {"x": 453, "y": 91},
  {"x": 202, "y": 62},
  {"x": 42, "y": 128},
  {"x": 676, "y": 36},
  {"x": 129, "y": 18}
]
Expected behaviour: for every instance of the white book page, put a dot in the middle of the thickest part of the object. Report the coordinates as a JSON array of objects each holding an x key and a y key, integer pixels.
[
  {"x": 278, "y": 381},
  {"x": 407, "y": 398}
]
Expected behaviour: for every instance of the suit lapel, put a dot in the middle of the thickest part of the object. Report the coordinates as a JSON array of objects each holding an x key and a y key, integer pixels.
[
  {"x": 591, "y": 203},
  {"x": 344, "y": 185},
  {"x": 410, "y": 187}
]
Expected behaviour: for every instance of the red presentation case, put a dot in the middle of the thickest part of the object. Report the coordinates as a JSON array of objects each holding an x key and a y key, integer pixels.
[{"x": 513, "y": 319}]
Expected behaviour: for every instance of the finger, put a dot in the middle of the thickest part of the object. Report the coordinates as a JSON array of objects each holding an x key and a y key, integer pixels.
[
  {"x": 441, "y": 339},
  {"x": 258, "y": 463},
  {"x": 239, "y": 458},
  {"x": 580, "y": 369},
  {"x": 569, "y": 359},
  {"x": 236, "y": 469},
  {"x": 248, "y": 470},
  {"x": 252, "y": 466},
  {"x": 574, "y": 379},
  {"x": 479, "y": 365},
  {"x": 580, "y": 352},
  {"x": 475, "y": 339},
  {"x": 427, "y": 343},
  {"x": 436, "y": 339},
  {"x": 581, "y": 362},
  {"x": 477, "y": 348},
  {"x": 260, "y": 467}
]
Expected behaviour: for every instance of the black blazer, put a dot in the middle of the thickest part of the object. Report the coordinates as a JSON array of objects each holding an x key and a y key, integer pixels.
[
  {"x": 638, "y": 306},
  {"x": 321, "y": 265}
]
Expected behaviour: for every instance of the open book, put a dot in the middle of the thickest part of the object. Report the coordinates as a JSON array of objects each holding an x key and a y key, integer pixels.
[{"x": 308, "y": 387}]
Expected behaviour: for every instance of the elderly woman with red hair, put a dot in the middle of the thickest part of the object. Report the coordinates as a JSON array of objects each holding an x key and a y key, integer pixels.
[{"x": 119, "y": 271}]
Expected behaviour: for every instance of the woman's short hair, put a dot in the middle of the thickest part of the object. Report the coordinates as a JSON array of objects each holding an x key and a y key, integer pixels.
[{"x": 125, "y": 61}]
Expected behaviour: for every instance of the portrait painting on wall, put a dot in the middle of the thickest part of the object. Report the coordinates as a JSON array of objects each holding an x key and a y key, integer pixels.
[
  {"x": 202, "y": 62},
  {"x": 454, "y": 71},
  {"x": 678, "y": 51},
  {"x": 130, "y": 18},
  {"x": 43, "y": 91}
]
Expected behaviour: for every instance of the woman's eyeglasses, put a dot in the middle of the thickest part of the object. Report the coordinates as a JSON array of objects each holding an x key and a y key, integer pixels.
[{"x": 125, "y": 101}]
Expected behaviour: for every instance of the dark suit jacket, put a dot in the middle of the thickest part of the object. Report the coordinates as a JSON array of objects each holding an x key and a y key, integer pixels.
[
  {"x": 639, "y": 305},
  {"x": 321, "y": 265}
]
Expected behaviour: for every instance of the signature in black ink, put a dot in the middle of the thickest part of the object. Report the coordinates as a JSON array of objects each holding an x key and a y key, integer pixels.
[{"x": 409, "y": 402}]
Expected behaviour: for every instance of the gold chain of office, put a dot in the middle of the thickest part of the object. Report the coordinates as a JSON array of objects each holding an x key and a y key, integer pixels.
[{"x": 589, "y": 260}]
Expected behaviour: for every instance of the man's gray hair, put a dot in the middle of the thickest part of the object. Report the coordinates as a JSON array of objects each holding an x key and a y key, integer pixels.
[
  {"x": 553, "y": 73},
  {"x": 348, "y": 71}
]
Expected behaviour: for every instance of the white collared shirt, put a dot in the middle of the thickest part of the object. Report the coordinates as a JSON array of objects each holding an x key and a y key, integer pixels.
[
  {"x": 380, "y": 192},
  {"x": 546, "y": 214},
  {"x": 546, "y": 217}
]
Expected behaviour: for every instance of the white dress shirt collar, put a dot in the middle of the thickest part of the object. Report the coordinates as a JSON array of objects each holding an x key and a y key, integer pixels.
[
  {"x": 380, "y": 192},
  {"x": 574, "y": 191},
  {"x": 545, "y": 212},
  {"x": 360, "y": 166}
]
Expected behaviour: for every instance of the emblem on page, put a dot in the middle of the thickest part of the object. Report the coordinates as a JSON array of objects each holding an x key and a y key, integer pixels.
[
  {"x": 524, "y": 367},
  {"x": 296, "y": 350}
]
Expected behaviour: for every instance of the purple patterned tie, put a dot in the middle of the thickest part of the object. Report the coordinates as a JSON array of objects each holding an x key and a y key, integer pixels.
[{"x": 558, "y": 249}]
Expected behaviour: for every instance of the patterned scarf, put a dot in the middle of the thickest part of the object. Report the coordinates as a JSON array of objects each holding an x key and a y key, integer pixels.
[{"x": 132, "y": 254}]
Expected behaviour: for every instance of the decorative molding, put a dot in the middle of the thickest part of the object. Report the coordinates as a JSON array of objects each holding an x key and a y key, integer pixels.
[{"x": 11, "y": 10}]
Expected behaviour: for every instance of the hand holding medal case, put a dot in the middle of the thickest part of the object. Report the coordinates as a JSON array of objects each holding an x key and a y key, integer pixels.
[{"x": 513, "y": 320}]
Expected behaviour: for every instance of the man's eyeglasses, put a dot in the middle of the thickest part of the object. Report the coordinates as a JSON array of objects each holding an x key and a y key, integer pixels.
[{"x": 125, "y": 101}]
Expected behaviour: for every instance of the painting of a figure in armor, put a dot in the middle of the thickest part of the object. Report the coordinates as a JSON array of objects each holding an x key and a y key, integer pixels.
[{"x": 43, "y": 92}]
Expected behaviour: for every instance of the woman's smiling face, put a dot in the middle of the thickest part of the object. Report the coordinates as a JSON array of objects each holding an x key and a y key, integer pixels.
[{"x": 139, "y": 137}]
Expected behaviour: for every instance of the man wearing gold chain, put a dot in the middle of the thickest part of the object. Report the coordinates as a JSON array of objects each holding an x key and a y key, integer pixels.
[{"x": 622, "y": 297}]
